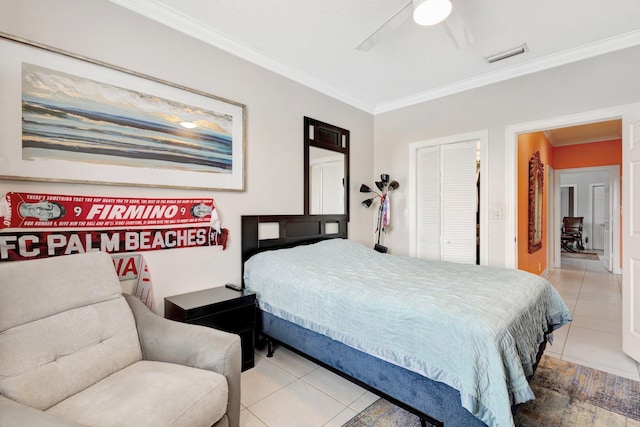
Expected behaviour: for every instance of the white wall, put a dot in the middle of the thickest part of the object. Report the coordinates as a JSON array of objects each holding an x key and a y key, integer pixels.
[
  {"x": 275, "y": 108},
  {"x": 597, "y": 83}
]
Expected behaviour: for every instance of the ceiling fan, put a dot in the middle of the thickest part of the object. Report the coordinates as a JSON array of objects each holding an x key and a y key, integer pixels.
[{"x": 424, "y": 12}]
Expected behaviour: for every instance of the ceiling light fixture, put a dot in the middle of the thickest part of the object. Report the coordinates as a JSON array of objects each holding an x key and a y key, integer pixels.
[
  {"x": 188, "y": 125},
  {"x": 507, "y": 54},
  {"x": 431, "y": 12}
]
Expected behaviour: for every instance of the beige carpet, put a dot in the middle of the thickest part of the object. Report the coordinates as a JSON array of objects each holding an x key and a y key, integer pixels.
[{"x": 567, "y": 394}]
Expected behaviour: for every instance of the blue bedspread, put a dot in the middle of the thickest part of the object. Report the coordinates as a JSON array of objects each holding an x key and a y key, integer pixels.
[{"x": 475, "y": 328}]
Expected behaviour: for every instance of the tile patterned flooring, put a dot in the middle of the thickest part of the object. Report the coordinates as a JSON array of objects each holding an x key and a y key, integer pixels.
[
  {"x": 594, "y": 338},
  {"x": 288, "y": 390}
]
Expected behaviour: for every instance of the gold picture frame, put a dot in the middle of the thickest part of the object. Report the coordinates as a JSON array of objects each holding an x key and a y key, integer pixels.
[{"x": 536, "y": 198}]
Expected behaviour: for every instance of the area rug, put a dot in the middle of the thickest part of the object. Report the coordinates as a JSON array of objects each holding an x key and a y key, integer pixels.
[
  {"x": 580, "y": 255},
  {"x": 567, "y": 394}
]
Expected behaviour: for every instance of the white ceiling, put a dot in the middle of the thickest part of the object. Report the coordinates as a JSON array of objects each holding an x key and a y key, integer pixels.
[{"x": 314, "y": 41}]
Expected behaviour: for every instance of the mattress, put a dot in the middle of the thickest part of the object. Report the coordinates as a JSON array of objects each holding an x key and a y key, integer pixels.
[{"x": 474, "y": 328}]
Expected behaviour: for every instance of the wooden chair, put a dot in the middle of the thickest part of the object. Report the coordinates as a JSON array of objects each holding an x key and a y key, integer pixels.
[{"x": 571, "y": 237}]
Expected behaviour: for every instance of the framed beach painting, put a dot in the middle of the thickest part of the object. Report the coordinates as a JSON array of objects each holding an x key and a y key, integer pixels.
[{"x": 66, "y": 118}]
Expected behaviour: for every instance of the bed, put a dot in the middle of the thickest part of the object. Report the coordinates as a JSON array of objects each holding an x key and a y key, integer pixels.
[{"x": 456, "y": 346}]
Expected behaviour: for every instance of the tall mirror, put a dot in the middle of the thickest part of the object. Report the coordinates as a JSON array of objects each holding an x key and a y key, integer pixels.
[{"x": 326, "y": 169}]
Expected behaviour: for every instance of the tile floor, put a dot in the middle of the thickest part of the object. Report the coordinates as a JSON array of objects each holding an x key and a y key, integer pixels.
[
  {"x": 594, "y": 338},
  {"x": 288, "y": 390}
]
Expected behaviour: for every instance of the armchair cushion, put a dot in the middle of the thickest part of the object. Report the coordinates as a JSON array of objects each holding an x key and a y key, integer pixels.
[
  {"x": 64, "y": 326},
  {"x": 14, "y": 414},
  {"x": 150, "y": 394},
  {"x": 165, "y": 340}
]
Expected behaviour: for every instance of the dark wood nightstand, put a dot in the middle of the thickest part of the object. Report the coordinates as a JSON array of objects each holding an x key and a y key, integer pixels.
[{"x": 219, "y": 308}]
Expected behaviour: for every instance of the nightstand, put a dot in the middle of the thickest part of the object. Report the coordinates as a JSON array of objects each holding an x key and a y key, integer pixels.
[{"x": 219, "y": 308}]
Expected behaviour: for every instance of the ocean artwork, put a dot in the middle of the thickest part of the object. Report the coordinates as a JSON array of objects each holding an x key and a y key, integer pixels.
[{"x": 72, "y": 118}]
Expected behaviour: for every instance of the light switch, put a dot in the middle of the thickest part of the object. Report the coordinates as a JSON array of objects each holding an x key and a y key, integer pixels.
[{"x": 495, "y": 213}]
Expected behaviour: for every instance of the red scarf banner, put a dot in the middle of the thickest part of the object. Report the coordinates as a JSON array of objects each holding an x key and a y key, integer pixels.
[
  {"x": 130, "y": 267},
  {"x": 32, "y": 210},
  {"x": 143, "y": 289},
  {"x": 40, "y": 244}
]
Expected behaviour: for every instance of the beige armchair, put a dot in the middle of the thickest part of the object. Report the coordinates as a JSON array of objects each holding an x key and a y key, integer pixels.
[{"x": 76, "y": 351}]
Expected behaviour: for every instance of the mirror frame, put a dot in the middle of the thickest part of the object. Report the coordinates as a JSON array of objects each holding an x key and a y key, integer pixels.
[
  {"x": 536, "y": 193},
  {"x": 312, "y": 138}
]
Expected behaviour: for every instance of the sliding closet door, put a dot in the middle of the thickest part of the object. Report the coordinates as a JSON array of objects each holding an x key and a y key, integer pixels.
[{"x": 446, "y": 202}]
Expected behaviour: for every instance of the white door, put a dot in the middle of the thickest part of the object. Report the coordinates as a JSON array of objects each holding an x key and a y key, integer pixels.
[
  {"x": 631, "y": 234},
  {"x": 326, "y": 184},
  {"x": 332, "y": 188},
  {"x": 606, "y": 226},
  {"x": 598, "y": 216},
  {"x": 428, "y": 208},
  {"x": 459, "y": 202}
]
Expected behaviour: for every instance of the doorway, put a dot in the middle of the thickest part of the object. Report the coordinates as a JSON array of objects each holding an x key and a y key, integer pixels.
[
  {"x": 630, "y": 115},
  {"x": 552, "y": 197},
  {"x": 596, "y": 192}
]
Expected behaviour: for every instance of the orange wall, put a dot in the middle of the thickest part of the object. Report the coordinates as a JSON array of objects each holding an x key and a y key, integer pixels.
[
  {"x": 603, "y": 153},
  {"x": 527, "y": 145}
]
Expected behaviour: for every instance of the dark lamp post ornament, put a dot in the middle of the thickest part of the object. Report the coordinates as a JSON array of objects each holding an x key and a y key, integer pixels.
[{"x": 384, "y": 211}]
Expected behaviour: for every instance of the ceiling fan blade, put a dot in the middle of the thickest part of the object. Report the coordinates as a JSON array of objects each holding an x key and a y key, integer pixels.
[
  {"x": 393, "y": 22},
  {"x": 457, "y": 30}
]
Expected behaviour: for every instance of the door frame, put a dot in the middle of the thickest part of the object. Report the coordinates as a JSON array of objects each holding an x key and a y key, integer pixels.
[
  {"x": 552, "y": 205},
  {"x": 614, "y": 197},
  {"x": 511, "y": 164}
]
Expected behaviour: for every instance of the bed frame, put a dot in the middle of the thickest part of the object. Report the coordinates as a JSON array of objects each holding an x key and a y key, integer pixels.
[{"x": 430, "y": 400}]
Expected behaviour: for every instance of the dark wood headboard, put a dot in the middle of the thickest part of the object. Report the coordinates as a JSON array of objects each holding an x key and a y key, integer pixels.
[{"x": 293, "y": 230}]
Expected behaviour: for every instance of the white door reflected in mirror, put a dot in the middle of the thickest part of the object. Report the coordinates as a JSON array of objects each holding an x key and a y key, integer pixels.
[{"x": 326, "y": 182}]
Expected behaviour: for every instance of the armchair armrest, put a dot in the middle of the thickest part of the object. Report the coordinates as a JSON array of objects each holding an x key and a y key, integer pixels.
[
  {"x": 201, "y": 347},
  {"x": 14, "y": 414}
]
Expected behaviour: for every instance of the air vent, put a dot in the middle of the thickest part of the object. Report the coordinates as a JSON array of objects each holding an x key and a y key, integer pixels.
[{"x": 507, "y": 54}]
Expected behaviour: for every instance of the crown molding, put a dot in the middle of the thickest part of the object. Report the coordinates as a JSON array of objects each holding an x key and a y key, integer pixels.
[
  {"x": 601, "y": 47},
  {"x": 178, "y": 21}
]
